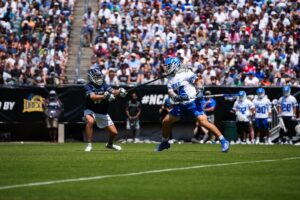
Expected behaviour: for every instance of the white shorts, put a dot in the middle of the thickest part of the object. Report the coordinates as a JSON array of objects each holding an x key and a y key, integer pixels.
[{"x": 102, "y": 120}]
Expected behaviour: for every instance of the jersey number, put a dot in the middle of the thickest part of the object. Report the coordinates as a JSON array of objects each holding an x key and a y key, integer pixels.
[
  {"x": 261, "y": 109},
  {"x": 286, "y": 107},
  {"x": 243, "y": 110}
]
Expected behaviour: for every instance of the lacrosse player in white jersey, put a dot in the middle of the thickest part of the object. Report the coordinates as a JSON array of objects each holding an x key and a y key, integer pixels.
[
  {"x": 287, "y": 107},
  {"x": 244, "y": 110},
  {"x": 186, "y": 91},
  {"x": 262, "y": 115}
]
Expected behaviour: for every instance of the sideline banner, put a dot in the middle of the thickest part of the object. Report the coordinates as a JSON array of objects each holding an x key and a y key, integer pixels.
[{"x": 24, "y": 104}]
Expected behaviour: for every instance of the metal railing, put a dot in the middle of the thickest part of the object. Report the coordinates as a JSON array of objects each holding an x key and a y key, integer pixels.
[{"x": 79, "y": 53}]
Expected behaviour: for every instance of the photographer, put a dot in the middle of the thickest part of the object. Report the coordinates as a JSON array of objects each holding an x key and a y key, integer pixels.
[
  {"x": 52, "y": 109},
  {"x": 133, "y": 112}
]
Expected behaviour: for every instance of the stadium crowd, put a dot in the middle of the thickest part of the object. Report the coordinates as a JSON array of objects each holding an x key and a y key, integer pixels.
[
  {"x": 34, "y": 41},
  {"x": 226, "y": 42}
]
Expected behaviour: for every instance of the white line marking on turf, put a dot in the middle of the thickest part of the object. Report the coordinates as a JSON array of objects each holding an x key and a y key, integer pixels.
[{"x": 140, "y": 173}]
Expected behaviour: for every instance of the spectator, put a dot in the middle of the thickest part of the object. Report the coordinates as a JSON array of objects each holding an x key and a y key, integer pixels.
[
  {"x": 227, "y": 80},
  {"x": 89, "y": 22},
  {"x": 111, "y": 78},
  {"x": 34, "y": 40},
  {"x": 251, "y": 80}
]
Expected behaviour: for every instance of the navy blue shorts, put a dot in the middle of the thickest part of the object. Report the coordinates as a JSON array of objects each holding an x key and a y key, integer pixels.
[{"x": 261, "y": 124}]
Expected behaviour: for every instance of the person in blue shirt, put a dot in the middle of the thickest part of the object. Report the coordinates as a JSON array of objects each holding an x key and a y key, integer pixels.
[
  {"x": 98, "y": 96},
  {"x": 208, "y": 105}
]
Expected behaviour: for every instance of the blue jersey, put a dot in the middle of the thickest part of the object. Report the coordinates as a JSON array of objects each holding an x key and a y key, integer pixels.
[
  {"x": 210, "y": 103},
  {"x": 100, "y": 106}
]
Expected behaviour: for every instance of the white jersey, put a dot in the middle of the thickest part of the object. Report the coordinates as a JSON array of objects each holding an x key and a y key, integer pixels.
[
  {"x": 262, "y": 107},
  {"x": 287, "y": 105},
  {"x": 183, "y": 83},
  {"x": 243, "y": 110}
]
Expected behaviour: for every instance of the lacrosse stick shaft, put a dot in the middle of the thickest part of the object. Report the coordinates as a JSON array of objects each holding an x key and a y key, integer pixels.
[
  {"x": 147, "y": 83},
  {"x": 221, "y": 95}
]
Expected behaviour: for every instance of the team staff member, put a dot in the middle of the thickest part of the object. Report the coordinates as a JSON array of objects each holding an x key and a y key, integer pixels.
[
  {"x": 133, "y": 111},
  {"x": 53, "y": 108},
  {"x": 208, "y": 104},
  {"x": 98, "y": 96}
]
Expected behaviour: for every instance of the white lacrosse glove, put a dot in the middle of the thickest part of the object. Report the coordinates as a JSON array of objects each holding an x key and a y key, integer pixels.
[
  {"x": 109, "y": 96},
  {"x": 123, "y": 92},
  {"x": 269, "y": 119}
]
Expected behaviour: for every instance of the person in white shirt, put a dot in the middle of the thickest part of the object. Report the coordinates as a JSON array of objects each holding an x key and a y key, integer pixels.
[
  {"x": 244, "y": 109},
  {"x": 287, "y": 106},
  {"x": 251, "y": 80},
  {"x": 89, "y": 23},
  {"x": 262, "y": 115},
  {"x": 111, "y": 78},
  {"x": 220, "y": 16},
  {"x": 104, "y": 12}
]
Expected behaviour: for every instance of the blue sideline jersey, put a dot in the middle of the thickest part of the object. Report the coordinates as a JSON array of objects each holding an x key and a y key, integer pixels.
[
  {"x": 100, "y": 106},
  {"x": 211, "y": 103}
]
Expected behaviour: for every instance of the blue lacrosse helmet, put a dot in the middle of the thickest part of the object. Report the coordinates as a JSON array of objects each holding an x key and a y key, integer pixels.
[
  {"x": 242, "y": 95},
  {"x": 260, "y": 92},
  {"x": 95, "y": 76},
  {"x": 286, "y": 90},
  {"x": 172, "y": 64}
]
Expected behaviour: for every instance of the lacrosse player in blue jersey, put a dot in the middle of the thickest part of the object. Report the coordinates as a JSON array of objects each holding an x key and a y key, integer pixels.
[{"x": 185, "y": 89}]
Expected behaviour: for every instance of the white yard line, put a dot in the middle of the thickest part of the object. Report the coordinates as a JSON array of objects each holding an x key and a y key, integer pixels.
[{"x": 140, "y": 173}]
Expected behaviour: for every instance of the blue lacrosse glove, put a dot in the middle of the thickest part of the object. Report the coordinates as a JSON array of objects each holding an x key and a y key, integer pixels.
[{"x": 181, "y": 98}]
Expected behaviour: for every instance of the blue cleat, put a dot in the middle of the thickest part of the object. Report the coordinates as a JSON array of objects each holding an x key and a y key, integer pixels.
[
  {"x": 163, "y": 145},
  {"x": 225, "y": 145}
]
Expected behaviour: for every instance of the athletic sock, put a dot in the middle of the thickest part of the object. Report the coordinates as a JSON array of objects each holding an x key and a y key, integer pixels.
[
  {"x": 221, "y": 138},
  {"x": 165, "y": 139},
  {"x": 89, "y": 144}
]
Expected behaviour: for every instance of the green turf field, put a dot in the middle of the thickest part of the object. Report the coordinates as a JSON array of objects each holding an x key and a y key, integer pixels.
[{"x": 272, "y": 177}]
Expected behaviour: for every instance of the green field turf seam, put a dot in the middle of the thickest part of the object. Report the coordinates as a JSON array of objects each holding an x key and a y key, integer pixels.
[{"x": 140, "y": 173}]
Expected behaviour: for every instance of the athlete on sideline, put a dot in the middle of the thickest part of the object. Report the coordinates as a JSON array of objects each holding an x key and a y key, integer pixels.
[
  {"x": 287, "y": 107},
  {"x": 263, "y": 116},
  {"x": 184, "y": 89},
  {"x": 98, "y": 96}
]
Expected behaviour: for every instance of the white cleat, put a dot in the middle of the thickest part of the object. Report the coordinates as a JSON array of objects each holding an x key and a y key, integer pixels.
[
  {"x": 248, "y": 142},
  {"x": 114, "y": 147},
  {"x": 269, "y": 141},
  {"x": 88, "y": 149}
]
